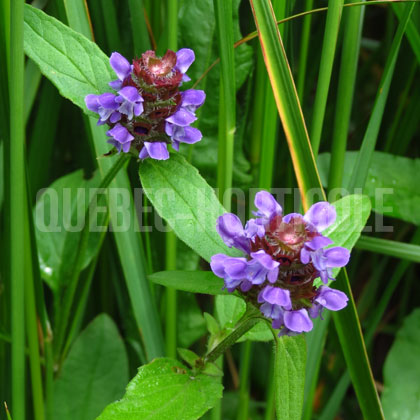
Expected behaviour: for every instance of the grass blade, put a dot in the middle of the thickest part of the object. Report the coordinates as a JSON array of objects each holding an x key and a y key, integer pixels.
[
  {"x": 361, "y": 167},
  {"x": 227, "y": 114},
  {"x": 286, "y": 98},
  {"x": 412, "y": 32},
  {"x": 346, "y": 84},
  {"x": 335, "y": 8},
  {"x": 409, "y": 252},
  {"x": 138, "y": 27},
  {"x": 304, "y": 46},
  {"x": 18, "y": 221}
]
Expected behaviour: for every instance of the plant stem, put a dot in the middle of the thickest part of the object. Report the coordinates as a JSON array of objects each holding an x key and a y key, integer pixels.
[
  {"x": 248, "y": 320},
  {"x": 171, "y": 240},
  {"x": 17, "y": 207},
  {"x": 246, "y": 354},
  {"x": 32, "y": 332}
]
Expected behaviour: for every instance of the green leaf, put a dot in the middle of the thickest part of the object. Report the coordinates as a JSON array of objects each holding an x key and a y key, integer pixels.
[
  {"x": 400, "y": 398},
  {"x": 186, "y": 202},
  {"x": 74, "y": 64},
  {"x": 289, "y": 374},
  {"x": 94, "y": 373},
  {"x": 391, "y": 183},
  {"x": 188, "y": 356},
  {"x": 165, "y": 389},
  {"x": 59, "y": 220},
  {"x": 190, "y": 281}
]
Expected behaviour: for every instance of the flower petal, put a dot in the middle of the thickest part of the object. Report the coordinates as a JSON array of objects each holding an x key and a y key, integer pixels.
[
  {"x": 265, "y": 260},
  {"x": 120, "y": 133},
  {"x": 231, "y": 231},
  {"x": 193, "y": 97},
  {"x": 298, "y": 321},
  {"x": 157, "y": 150},
  {"x": 276, "y": 296},
  {"x": 331, "y": 299},
  {"x": 184, "y": 58},
  {"x": 120, "y": 65},
  {"x": 92, "y": 102},
  {"x": 337, "y": 256},
  {"x": 321, "y": 215},
  {"x": 182, "y": 118},
  {"x": 267, "y": 205},
  {"x": 217, "y": 264}
]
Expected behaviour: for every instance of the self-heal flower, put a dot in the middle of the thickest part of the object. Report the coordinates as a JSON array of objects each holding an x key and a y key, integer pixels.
[
  {"x": 148, "y": 104},
  {"x": 283, "y": 255}
]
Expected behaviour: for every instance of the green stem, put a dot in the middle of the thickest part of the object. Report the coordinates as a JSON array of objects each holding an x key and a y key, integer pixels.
[
  {"x": 32, "y": 334},
  {"x": 171, "y": 240},
  {"x": 83, "y": 242},
  {"x": 17, "y": 207},
  {"x": 171, "y": 301},
  {"x": 248, "y": 320},
  {"x": 246, "y": 355},
  {"x": 271, "y": 391},
  {"x": 335, "y": 8}
]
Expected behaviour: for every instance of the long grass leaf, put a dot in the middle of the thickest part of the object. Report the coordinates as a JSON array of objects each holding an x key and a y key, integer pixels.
[
  {"x": 361, "y": 167},
  {"x": 409, "y": 252},
  {"x": 346, "y": 84},
  {"x": 332, "y": 26},
  {"x": 227, "y": 111},
  {"x": 412, "y": 32},
  {"x": 18, "y": 221},
  {"x": 286, "y": 98}
]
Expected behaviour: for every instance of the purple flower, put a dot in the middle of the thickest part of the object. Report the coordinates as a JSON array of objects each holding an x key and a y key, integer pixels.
[
  {"x": 184, "y": 58},
  {"x": 149, "y": 87},
  {"x": 155, "y": 150},
  {"x": 105, "y": 105},
  {"x": 283, "y": 255},
  {"x": 122, "y": 138},
  {"x": 122, "y": 69},
  {"x": 232, "y": 232},
  {"x": 130, "y": 102},
  {"x": 192, "y": 99},
  {"x": 332, "y": 299},
  {"x": 325, "y": 260},
  {"x": 267, "y": 207},
  {"x": 320, "y": 215}
]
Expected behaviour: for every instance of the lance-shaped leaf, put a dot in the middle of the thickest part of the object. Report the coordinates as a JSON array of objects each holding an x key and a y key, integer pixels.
[
  {"x": 74, "y": 64},
  {"x": 184, "y": 199}
]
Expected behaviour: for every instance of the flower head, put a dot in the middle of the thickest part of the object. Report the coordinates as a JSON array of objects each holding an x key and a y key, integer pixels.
[
  {"x": 283, "y": 255},
  {"x": 148, "y": 111}
]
